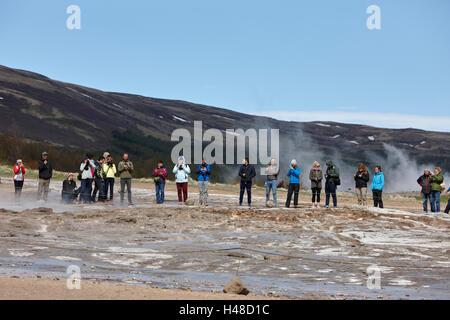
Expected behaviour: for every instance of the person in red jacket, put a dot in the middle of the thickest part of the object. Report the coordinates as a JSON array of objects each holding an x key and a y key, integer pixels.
[{"x": 19, "y": 177}]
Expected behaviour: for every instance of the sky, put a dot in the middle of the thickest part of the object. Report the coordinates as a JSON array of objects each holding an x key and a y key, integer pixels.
[{"x": 289, "y": 59}]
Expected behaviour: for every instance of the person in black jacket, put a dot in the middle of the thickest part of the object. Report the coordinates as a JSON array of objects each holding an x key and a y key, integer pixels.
[
  {"x": 247, "y": 172},
  {"x": 425, "y": 182},
  {"x": 69, "y": 191},
  {"x": 361, "y": 179},
  {"x": 45, "y": 174}
]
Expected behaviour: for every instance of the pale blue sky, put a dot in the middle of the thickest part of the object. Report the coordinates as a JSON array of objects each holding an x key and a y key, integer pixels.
[{"x": 311, "y": 60}]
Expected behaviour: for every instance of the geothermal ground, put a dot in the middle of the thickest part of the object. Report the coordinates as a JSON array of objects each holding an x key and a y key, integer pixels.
[{"x": 277, "y": 252}]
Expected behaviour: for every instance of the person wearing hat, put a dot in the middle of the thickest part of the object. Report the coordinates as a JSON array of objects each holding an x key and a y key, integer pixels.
[
  {"x": 19, "y": 174},
  {"x": 45, "y": 174},
  {"x": 69, "y": 190},
  {"x": 294, "y": 183},
  {"x": 331, "y": 182}
]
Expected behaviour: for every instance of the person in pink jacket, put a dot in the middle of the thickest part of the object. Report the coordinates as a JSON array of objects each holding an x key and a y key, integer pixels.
[{"x": 19, "y": 177}]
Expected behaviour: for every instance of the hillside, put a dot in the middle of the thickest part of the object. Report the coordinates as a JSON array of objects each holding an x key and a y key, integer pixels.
[{"x": 76, "y": 118}]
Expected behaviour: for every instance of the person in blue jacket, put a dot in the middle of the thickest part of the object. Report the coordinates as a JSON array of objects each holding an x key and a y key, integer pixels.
[
  {"x": 203, "y": 171},
  {"x": 294, "y": 183},
  {"x": 447, "y": 209},
  {"x": 377, "y": 187}
]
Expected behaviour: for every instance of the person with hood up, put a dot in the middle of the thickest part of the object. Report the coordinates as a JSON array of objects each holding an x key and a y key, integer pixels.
[
  {"x": 425, "y": 182},
  {"x": 159, "y": 177},
  {"x": 377, "y": 187},
  {"x": 45, "y": 174},
  {"x": 294, "y": 183},
  {"x": 69, "y": 191},
  {"x": 247, "y": 172},
  {"x": 332, "y": 180},
  {"x": 271, "y": 172},
  {"x": 19, "y": 177},
  {"x": 203, "y": 171},
  {"x": 436, "y": 188},
  {"x": 182, "y": 171},
  {"x": 316, "y": 177},
  {"x": 361, "y": 179}
]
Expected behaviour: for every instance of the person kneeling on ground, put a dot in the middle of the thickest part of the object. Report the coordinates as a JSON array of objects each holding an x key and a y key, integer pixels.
[
  {"x": 182, "y": 171},
  {"x": 203, "y": 172},
  {"x": 69, "y": 191},
  {"x": 294, "y": 183},
  {"x": 377, "y": 187},
  {"x": 159, "y": 177},
  {"x": 247, "y": 172}
]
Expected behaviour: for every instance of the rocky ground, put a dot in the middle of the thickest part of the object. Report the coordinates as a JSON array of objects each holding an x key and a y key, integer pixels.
[{"x": 277, "y": 252}]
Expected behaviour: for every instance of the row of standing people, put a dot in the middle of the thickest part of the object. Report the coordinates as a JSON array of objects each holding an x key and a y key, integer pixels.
[
  {"x": 332, "y": 181},
  {"x": 101, "y": 175}
]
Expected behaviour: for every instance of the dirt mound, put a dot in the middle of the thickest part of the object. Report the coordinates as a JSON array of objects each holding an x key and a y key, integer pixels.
[{"x": 236, "y": 286}]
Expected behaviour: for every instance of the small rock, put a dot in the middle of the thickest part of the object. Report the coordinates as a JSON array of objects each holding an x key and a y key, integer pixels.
[{"x": 236, "y": 286}]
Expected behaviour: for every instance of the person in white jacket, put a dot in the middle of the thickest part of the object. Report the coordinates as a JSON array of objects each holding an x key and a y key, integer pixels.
[
  {"x": 87, "y": 175},
  {"x": 182, "y": 171}
]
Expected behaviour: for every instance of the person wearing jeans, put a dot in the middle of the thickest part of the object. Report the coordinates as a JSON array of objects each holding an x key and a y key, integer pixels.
[
  {"x": 247, "y": 172},
  {"x": 331, "y": 180},
  {"x": 435, "y": 198},
  {"x": 294, "y": 183},
  {"x": 182, "y": 171},
  {"x": 110, "y": 172},
  {"x": 316, "y": 177},
  {"x": 425, "y": 182},
  {"x": 87, "y": 168},
  {"x": 159, "y": 177},
  {"x": 203, "y": 172},
  {"x": 126, "y": 169},
  {"x": 377, "y": 187},
  {"x": 271, "y": 184}
]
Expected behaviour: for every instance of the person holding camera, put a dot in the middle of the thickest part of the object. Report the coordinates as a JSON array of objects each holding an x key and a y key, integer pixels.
[
  {"x": 247, "y": 172},
  {"x": 182, "y": 171},
  {"x": 332, "y": 180},
  {"x": 69, "y": 191},
  {"x": 87, "y": 175},
  {"x": 447, "y": 208},
  {"x": 294, "y": 183},
  {"x": 159, "y": 177},
  {"x": 361, "y": 178},
  {"x": 99, "y": 177},
  {"x": 272, "y": 171},
  {"x": 203, "y": 172},
  {"x": 126, "y": 170},
  {"x": 110, "y": 172},
  {"x": 19, "y": 177},
  {"x": 45, "y": 174},
  {"x": 437, "y": 181}
]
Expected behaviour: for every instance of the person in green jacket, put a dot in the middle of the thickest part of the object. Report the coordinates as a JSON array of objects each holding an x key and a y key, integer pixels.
[
  {"x": 125, "y": 169},
  {"x": 435, "y": 198}
]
